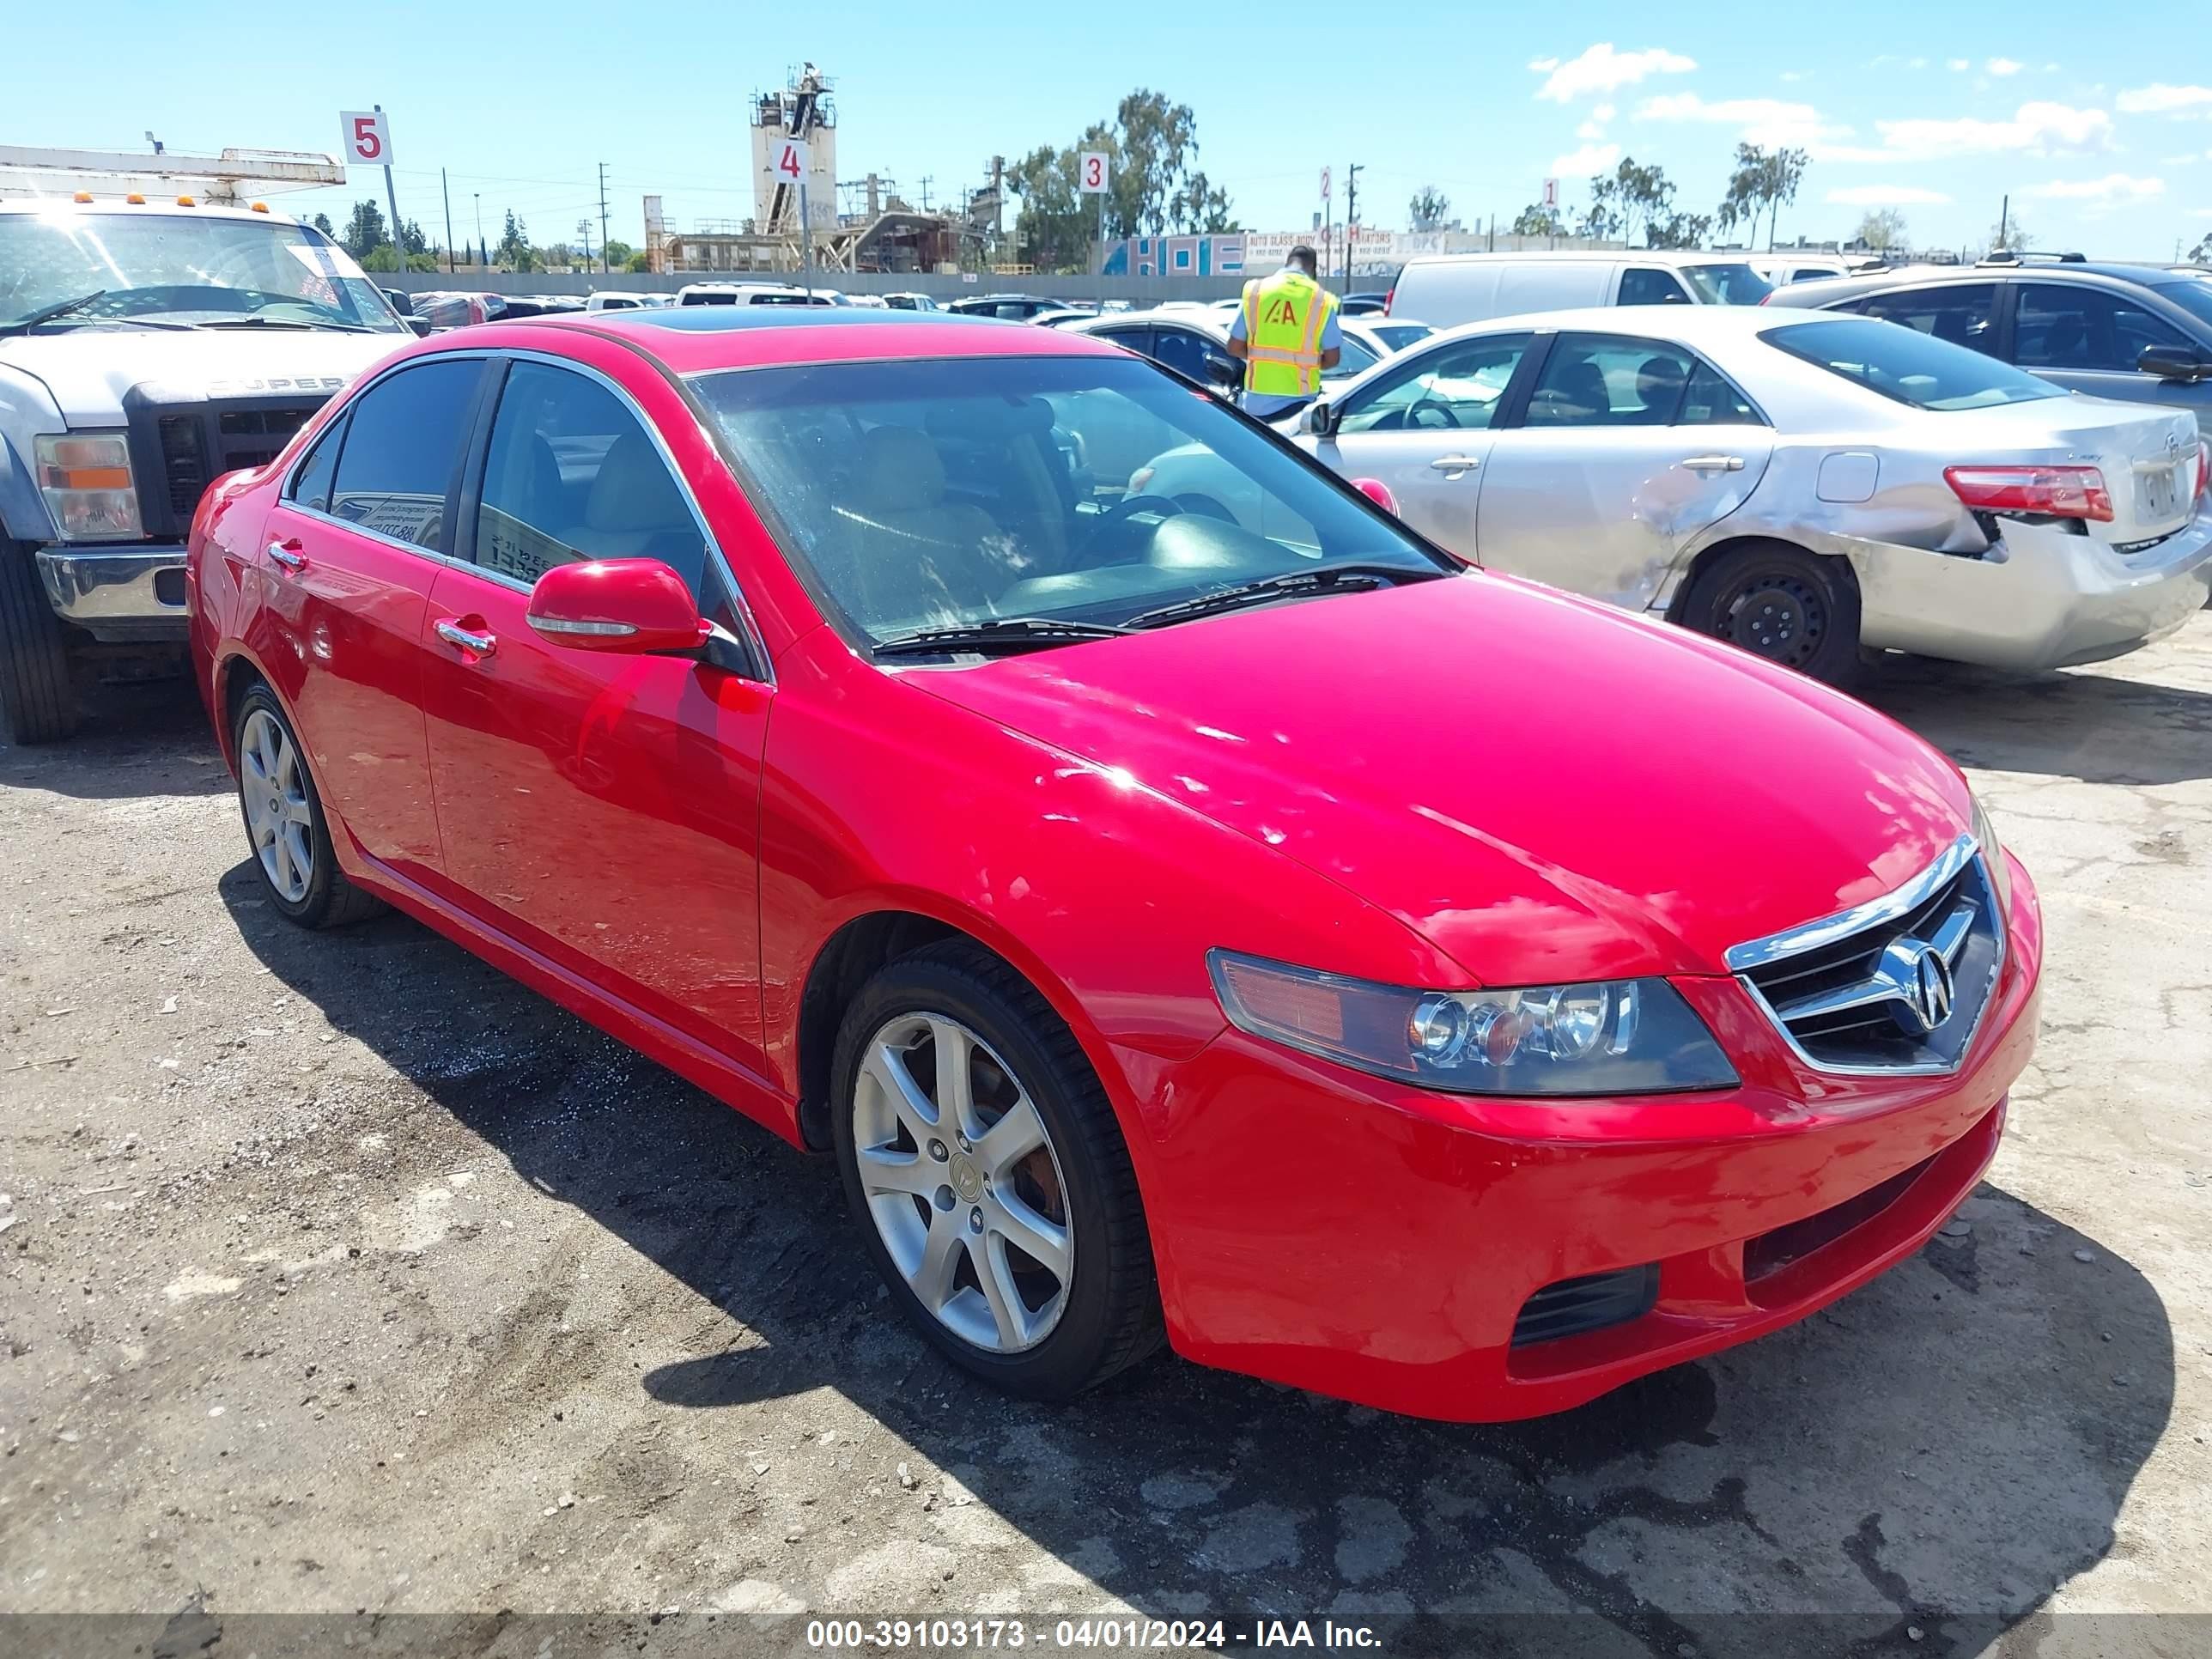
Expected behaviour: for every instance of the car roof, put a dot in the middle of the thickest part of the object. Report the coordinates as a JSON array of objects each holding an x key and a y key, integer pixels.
[
  {"x": 699, "y": 340},
  {"x": 1640, "y": 256},
  {"x": 1688, "y": 323},
  {"x": 1874, "y": 282}
]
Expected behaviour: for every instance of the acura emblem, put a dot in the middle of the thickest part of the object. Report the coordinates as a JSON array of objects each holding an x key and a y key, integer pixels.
[{"x": 1920, "y": 980}]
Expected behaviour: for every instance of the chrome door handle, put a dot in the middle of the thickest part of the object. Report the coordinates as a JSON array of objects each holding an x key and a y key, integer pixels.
[
  {"x": 1455, "y": 463},
  {"x": 453, "y": 634},
  {"x": 288, "y": 554},
  {"x": 1715, "y": 464}
]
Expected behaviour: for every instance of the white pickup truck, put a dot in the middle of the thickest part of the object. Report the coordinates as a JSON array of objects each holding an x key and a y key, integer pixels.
[{"x": 147, "y": 346}]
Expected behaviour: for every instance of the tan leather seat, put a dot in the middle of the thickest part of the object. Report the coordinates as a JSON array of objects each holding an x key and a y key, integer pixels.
[
  {"x": 635, "y": 510},
  {"x": 912, "y": 552}
]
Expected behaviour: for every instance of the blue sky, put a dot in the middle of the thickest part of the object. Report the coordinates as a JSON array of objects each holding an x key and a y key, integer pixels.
[{"x": 2104, "y": 142}]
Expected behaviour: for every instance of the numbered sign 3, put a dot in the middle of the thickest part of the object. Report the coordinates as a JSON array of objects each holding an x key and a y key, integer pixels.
[
  {"x": 790, "y": 164},
  {"x": 1092, "y": 169},
  {"x": 367, "y": 137}
]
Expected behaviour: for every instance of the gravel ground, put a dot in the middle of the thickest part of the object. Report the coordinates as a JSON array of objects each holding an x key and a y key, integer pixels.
[{"x": 339, "y": 1274}]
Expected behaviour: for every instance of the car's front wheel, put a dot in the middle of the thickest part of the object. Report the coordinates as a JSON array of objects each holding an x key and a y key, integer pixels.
[
  {"x": 989, "y": 1176},
  {"x": 1783, "y": 603},
  {"x": 284, "y": 822}
]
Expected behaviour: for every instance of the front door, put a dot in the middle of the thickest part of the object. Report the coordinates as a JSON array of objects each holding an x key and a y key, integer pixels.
[
  {"x": 2088, "y": 339},
  {"x": 1628, "y": 450},
  {"x": 600, "y": 809},
  {"x": 1425, "y": 430}
]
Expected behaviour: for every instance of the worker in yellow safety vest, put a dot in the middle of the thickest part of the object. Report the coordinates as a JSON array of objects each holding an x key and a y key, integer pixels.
[{"x": 1286, "y": 333}]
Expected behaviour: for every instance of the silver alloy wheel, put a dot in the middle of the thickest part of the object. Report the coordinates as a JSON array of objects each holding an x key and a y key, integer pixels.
[
  {"x": 963, "y": 1182},
  {"x": 275, "y": 791}
]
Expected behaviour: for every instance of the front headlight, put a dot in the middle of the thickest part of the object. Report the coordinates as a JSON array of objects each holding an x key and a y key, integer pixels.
[
  {"x": 1625, "y": 1037},
  {"x": 1993, "y": 859},
  {"x": 86, "y": 479}
]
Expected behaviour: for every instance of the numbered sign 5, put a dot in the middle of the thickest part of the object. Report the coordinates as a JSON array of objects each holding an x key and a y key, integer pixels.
[
  {"x": 1092, "y": 169},
  {"x": 790, "y": 164},
  {"x": 367, "y": 137}
]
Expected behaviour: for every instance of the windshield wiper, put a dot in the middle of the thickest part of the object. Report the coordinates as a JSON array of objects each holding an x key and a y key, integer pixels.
[
  {"x": 48, "y": 313},
  {"x": 996, "y": 633},
  {"x": 284, "y": 322},
  {"x": 1329, "y": 579}
]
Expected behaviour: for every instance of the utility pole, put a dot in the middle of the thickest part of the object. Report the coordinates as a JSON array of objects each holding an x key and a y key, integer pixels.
[
  {"x": 483, "y": 252},
  {"x": 926, "y": 177},
  {"x": 604, "y": 265},
  {"x": 584, "y": 231},
  {"x": 448, "y": 195},
  {"x": 1350, "y": 215}
]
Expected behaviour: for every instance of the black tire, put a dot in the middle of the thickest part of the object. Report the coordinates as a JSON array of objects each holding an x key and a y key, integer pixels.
[
  {"x": 38, "y": 697},
  {"x": 1111, "y": 1318},
  {"x": 1782, "y": 604},
  {"x": 329, "y": 901}
]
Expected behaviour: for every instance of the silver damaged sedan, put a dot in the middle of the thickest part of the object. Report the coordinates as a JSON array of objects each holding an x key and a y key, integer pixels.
[{"x": 1810, "y": 486}]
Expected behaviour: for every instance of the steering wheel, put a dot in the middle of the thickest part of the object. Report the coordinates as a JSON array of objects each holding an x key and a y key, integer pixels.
[
  {"x": 1117, "y": 517},
  {"x": 1447, "y": 416}
]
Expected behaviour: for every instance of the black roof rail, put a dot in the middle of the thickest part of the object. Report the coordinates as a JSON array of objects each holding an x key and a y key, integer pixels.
[{"x": 2006, "y": 255}]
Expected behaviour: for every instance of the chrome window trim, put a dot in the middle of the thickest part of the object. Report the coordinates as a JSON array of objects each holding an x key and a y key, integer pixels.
[
  {"x": 343, "y": 400},
  {"x": 1828, "y": 930}
]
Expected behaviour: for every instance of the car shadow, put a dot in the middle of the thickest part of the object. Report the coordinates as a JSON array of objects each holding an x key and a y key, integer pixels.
[
  {"x": 2062, "y": 724},
  {"x": 149, "y": 738},
  {"x": 1933, "y": 1455}
]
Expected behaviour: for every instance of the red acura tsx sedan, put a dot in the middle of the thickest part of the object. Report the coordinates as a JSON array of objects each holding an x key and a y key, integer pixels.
[{"x": 1265, "y": 933}]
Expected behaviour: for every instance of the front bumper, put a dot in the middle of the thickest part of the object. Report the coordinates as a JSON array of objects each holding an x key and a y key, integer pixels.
[
  {"x": 118, "y": 593},
  {"x": 2041, "y": 599},
  {"x": 1318, "y": 1227}
]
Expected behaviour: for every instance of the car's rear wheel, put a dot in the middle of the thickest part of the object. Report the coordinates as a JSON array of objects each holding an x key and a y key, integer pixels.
[
  {"x": 989, "y": 1176},
  {"x": 284, "y": 822},
  {"x": 1783, "y": 604},
  {"x": 38, "y": 694}
]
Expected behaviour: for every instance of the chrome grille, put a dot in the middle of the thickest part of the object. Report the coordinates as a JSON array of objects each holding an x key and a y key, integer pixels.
[{"x": 1898, "y": 984}]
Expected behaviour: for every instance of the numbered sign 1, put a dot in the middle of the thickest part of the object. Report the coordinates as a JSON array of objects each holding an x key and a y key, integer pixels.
[
  {"x": 1092, "y": 169},
  {"x": 367, "y": 137},
  {"x": 790, "y": 164}
]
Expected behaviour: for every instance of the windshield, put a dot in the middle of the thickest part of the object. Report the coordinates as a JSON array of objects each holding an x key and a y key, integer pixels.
[
  {"x": 940, "y": 494},
  {"x": 2193, "y": 294},
  {"x": 176, "y": 267},
  {"x": 1728, "y": 285},
  {"x": 1912, "y": 367}
]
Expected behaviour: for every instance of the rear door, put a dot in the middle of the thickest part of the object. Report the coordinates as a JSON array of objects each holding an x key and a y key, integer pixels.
[
  {"x": 1425, "y": 428},
  {"x": 1629, "y": 450},
  {"x": 350, "y": 553},
  {"x": 600, "y": 809},
  {"x": 2088, "y": 339}
]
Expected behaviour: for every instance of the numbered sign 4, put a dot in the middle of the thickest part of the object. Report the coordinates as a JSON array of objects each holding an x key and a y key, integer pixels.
[
  {"x": 790, "y": 165},
  {"x": 1092, "y": 170},
  {"x": 367, "y": 137}
]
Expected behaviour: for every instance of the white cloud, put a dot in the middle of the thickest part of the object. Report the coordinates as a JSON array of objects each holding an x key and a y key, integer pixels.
[
  {"x": 1793, "y": 75},
  {"x": 1887, "y": 195},
  {"x": 2187, "y": 160},
  {"x": 1603, "y": 112},
  {"x": 1591, "y": 129},
  {"x": 2005, "y": 66},
  {"x": 1762, "y": 120},
  {"x": 1581, "y": 164},
  {"x": 2035, "y": 129},
  {"x": 1958, "y": 65},
  {"x": 2158, "y": 99},
  {"x": 1602, "y": 69},
  {"x": 1917, "y": 63},
  {"x": 2113, "y": 189}
]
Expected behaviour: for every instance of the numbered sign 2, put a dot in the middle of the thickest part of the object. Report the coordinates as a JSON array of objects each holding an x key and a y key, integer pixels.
[
  {"x": 1092, "y": 170},
  {"x": 367, "y": 137},
  {"x": 790, "y": 164}
]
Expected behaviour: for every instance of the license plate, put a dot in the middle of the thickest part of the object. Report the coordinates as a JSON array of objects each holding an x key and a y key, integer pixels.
[{"x": 2162, "y": 492}]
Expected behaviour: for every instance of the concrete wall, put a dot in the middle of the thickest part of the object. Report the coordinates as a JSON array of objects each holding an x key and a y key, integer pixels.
[{"x": 1139, "y": 290}]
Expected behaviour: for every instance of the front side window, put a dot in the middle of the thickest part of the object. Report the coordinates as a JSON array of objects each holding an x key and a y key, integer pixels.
[
  {"x": 572, "y": 476},
  {"x": 1733, "y": 285},
  {"x": 403, "y": 446},
  {"x": 922, "y": 494},
  {"x": 1908, "y": 366},
  {"x": 2071, "y": 326},
  {"x": 1646, "y": 285},
  {"x": 1601, "y": 380},
  {"x": 182, "y": 269},
  {"x": 1961, "y": 313},
  {"x": 1451, "y": 388}
]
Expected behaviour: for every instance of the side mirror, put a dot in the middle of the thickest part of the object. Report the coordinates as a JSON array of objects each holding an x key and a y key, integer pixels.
[
  {"x": 633, "y": 606},
  {"x": 419, "y": 325},
  {"x": 1322, "y": 419},
  {"x": 1377, "y": 492},
  {"x": 1223, "y": 371},
  {"x": 2180, "y": 362}
]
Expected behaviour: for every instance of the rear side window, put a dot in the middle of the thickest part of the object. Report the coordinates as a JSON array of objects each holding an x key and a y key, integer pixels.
[
  {"x": 2071, "y": 326},
  {"x": 1710, "y": 400},
  {"x": 1646, "y": 285},
  {"x": 311, "y": 484},
  {"x": 403, "y": 445},
  {"x": 1957, "y": 312},
  {"x": 1908, "y": 366},
  {"x": 571, "y": 475}
]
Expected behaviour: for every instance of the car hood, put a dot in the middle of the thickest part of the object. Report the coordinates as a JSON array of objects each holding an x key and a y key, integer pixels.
[
  {"x": 1543, "y": 789},
  {"x": 88, "y": 371}
]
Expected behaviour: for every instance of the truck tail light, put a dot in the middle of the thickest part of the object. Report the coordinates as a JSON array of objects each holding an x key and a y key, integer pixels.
[
  {"x": 2060, "y": 492},
  {"x": 85, "y": 478},
  {"x": 2204, "y": 469}
]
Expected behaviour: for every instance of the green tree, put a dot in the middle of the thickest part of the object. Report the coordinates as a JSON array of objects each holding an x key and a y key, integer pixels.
[
  {"x": 322, "y": 222},
  {"x": 384, "y": 258},
  {"x": 1679, "y": 229},
  {"x": 512, "y": 249},
  {"x": 638, "y": 263},
  {"x": 1882, "y": 230},
  {"x": 1537, "y": 219},
  {"x": 1633, "y": 202},
  {"x": 364, "y": 230},
  {"x": 1763, "y": 180},
  {"x": 2011, "y": 233},
  {"x": 618, "y": 253},
  {"x": 1154, "y": 184},
  {"x": 2202, "y": 253},
  {"x": 1428, "y": 208}
]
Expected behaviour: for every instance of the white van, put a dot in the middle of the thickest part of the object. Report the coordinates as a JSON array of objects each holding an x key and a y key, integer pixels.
[
  {"x": 1447, "y": 289},
  {"x": 618, "y": 300}
]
